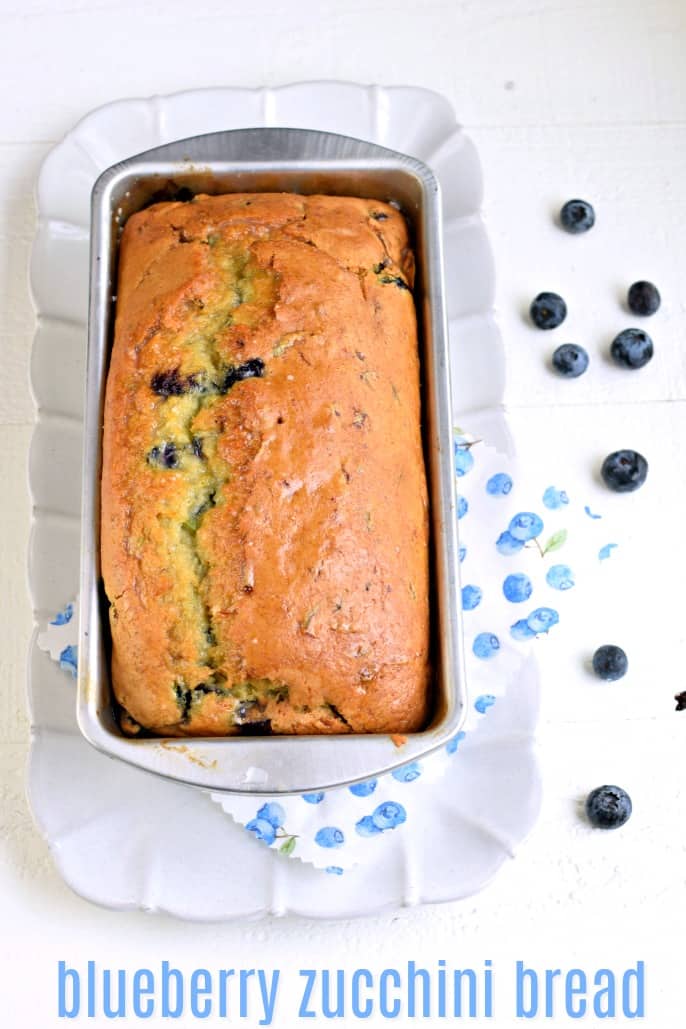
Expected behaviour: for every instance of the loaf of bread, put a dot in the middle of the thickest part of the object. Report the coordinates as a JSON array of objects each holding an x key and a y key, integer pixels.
[{"x": 264, "y": 505}]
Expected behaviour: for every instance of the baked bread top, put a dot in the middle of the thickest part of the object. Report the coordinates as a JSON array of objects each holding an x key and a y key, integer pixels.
[{"x": 264, "y": 504}]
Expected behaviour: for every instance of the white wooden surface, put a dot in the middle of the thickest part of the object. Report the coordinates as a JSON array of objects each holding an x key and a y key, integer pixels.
[{"x": 562, "y": 97}]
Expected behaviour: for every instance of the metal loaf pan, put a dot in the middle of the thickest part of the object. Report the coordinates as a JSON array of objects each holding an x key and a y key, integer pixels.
[{"x": 274, "y": 160}]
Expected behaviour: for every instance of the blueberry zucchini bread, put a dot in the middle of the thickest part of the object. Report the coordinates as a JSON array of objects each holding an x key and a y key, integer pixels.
[{"x": 264, "y": 505}]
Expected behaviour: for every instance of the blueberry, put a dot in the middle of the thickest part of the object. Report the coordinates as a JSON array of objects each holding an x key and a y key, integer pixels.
[
  {"x": 486, "y": 645},
  {"x": 521, "y": 630},
  {"x": 542, "y": 619},
  {"x": 364, "y": 789},
  {"x": 261, "y": 728},
  {"x": 254, "y": 368},
  {"x": 554, "y": 499},
  {"x": 388, "y": 815},
  {"x": 525, "y": 526},
  {"x": 608, "y": 807},
  {"x": 570, "y": 360},
  {"x": 464, "y": 461},
  {"x": 471, "y": 597},
  {"x": 168, "y": 384},
  {"x": 263, "y": 830},
  {"x": 499, "y": 485},
  {"x": 517, "y": 587},
  {"x": 379, "y": 216},
  {"x": 69, "y": 659},
  {"x": 577, "y": 216},
  {"x": 395, "y": 280},
  {"x": 407, "y": 773},
  {"x": 313, "y": 798},
  {"x": 632, "y": 348},
  {"x": 610, "y": 663},
  {"x": 560, "y": 577},
  {"x": 624, "y": 471},
  {"x": 548, "y": 310},
  {"x": 462, "y": 507},
  {"x": 272, "y": 813},
  {"x": 643, "y": 298},
  {"x": 330, "y": 837},
  {"x": 366, "y": 827},
  {"x": 506, "y": 544}
]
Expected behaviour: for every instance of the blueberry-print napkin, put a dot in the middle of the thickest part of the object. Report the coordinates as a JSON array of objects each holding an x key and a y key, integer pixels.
[{"x": 529, "y": 552}]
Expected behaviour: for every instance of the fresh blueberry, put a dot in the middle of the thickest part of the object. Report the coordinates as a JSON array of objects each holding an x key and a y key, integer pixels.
[
  {"x": 408, "y": 773},
  {"x": 471, "y": 597},
  {"x": 486, "y": 645},
  {"x": 482, "y": 703},
  {"x": 577, "y": 216},
  {"x": 506, "y": 544},
  {"x": 499, "y": 485},
  {"x": 570, "y": 360},
  {"x": 643, "y": 298},
  {"x": 610, "y": 662},
  {"x": 521, "y": 630},
  {"x": 272, "y": 813},
  {"x": 364, "y": 789},
  {"x": 262, "y": 829},
  {"x": 525, "y": 526},
  {"x": 632, "y": 348},
  {"x": 517, "y": 588},
  {"x": 542, "y": 619},
  {"x": 554, "y": 499},
  {"x": 462, "y": 507},
  {"x": 330, "y": 837},
  {"x": 366, "y": 827},
  {"x": 548, "y": 310},
  {"x": 608, "y": 807},
  {"x": 313, "y": 798},
  {"x": 624, "y": 471},
  {"x": 464, "y": 460},
  {"x": 452, "y": 745},
  {"x": 560, "y": 577},
  {"x": 388, "y": 815}
]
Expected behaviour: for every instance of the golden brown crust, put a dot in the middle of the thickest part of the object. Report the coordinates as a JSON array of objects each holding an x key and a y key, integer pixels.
[{"x": 264, "y": 507}]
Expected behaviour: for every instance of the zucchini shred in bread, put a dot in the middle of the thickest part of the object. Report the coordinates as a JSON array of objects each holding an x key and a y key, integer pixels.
[{"x": 264, "y": 505}]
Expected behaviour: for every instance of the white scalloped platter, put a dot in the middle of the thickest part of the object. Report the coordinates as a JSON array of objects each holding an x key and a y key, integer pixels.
[{"x": 127, "y": 840}]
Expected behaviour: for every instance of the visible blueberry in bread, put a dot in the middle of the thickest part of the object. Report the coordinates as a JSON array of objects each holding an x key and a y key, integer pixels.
[
  {"x": 395, "y": 280},
  {"x": 165, "y": 456},
  {"x": 252, "y": 369}
]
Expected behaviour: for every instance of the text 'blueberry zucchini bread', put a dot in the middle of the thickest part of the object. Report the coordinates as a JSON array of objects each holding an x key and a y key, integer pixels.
[{"x": 264, "y": 504}]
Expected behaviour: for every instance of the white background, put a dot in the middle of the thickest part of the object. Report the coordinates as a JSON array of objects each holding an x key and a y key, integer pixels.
[{"x": 563, "y": 98}]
